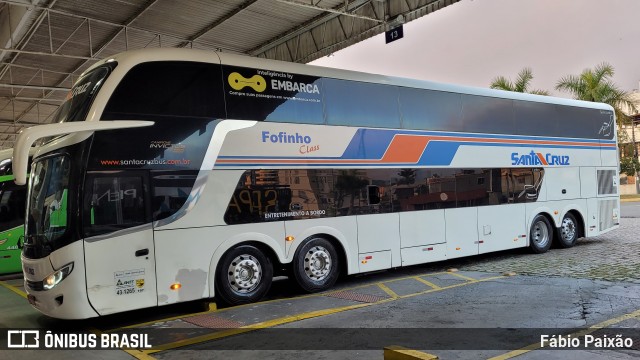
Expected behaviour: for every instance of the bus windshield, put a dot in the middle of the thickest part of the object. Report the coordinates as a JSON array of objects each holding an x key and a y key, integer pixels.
[
  {"x": 79, "y": 99},
  {"x": 47, "y": 202}
]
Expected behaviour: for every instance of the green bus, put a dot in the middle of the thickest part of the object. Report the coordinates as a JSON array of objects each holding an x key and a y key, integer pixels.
[{"x": 12, "y": 212}]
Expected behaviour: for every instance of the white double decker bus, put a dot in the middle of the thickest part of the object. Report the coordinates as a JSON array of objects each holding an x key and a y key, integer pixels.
[{"x": 175, "y": 175}]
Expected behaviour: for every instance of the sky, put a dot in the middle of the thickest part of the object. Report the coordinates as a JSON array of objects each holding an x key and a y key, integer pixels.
[{"x": 473, "y": 41}]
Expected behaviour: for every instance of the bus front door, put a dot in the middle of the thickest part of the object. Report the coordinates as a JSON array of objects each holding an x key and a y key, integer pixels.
[{"x": 119, "y": 248}]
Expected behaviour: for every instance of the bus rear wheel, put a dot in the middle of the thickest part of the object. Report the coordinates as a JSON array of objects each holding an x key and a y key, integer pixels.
[
  {"x": 568, "y": 231},
  {"x": 244, "y": 275},
  {"x": 540, "y": 235},
  {"x": 315, "y": 265}
]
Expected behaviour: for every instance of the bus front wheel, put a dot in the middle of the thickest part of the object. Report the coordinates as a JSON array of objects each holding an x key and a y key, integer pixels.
[
  {"x": 540, "y": 235},
  {"x": 315, "y": 265},
  {"x": 244, "y": 275}
]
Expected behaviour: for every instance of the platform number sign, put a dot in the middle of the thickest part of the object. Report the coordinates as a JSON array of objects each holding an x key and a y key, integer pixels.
[{"x": 393, "y": 34}]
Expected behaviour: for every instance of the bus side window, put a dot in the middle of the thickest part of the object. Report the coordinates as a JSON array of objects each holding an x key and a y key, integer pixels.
[
  {"x": 373, "y": 194},
  {"x": 113, "y": 203}
]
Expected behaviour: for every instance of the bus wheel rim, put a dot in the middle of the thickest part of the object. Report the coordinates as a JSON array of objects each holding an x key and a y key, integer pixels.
[
  {"x": 244, "y": 273},
  {"x": 317, "y": 263},
  {"x": 568, "y": 229},
  {"x": 540, "y": 234}
]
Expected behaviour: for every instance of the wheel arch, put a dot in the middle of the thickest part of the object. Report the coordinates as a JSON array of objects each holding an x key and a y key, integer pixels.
[
  {"x": 547, "y": 215},
  {"x": 337, "y": 239},
  {"x": 264, "y": 243},
  {"x": 337, "y": 244},
  {"x": 575, "y": 211}
]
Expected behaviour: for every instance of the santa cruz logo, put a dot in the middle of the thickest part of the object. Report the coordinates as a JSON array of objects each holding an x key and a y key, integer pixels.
[{"x": 534, "y": 158}]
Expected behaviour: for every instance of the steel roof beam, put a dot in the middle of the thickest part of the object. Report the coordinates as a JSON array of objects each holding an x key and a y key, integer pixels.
[
  {"x": 219, "y": 22},
  {"x": 311, "y": 24},
  {"x": 339, "y": 12}
]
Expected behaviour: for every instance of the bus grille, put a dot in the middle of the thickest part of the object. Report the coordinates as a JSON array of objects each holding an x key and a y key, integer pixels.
[
  {"x": 35, "y": 285},
  {"x": 606, "y": 214},
  {"x": 606, "y": 185}
]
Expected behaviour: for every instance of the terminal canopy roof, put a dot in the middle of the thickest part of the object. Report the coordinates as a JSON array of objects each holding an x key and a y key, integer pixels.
[{"x": 46, "y": 44}]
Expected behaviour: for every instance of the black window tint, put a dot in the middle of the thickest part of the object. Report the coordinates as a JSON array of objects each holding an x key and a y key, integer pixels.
[
  {"x": 113, "y": 203},
  {"x": 577, "y": 122},
  {"x": 12, "y": 206},
  {"x": 604, "y": 124},
  {"x": 168, "y": 89},
  {"x": 521, "y": 185},
  {"x": 351, "y": 191},
  {"x": 361, "y": 104},
  {"x": 299, "y": 108},
  {"x": 430, "y": 110},
  {"x": 263, "y": 95},
  {"x": 276, "y": 195},
  {"x": 536, "y": 118},
  {"x": 81, "y": 96},
  {"x": 562, "y": 121},
  {"x": 258, "y": 196},
  {"x": 483, "y": 114},
  {"x": 170, "y": 191}
]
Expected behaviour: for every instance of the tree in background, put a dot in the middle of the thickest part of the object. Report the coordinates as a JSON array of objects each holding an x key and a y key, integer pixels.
[
  {"x": 408, "y": 176},
  {"x": 629, "y": 165},
  {"x": 520, "y": 85},
  {"x": 596, "y": 85}
]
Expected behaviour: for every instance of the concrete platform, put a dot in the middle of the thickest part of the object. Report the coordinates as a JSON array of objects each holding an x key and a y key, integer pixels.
[{"x": 474, "y": 313}]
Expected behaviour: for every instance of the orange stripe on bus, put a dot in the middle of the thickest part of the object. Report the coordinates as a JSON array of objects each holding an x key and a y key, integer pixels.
[{"x": 405, "y": 149}]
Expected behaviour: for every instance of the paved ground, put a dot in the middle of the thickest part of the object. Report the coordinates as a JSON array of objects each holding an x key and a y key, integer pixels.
[
  {"x": 614, "y": 256},
  {"x": 597, "y": 282}
]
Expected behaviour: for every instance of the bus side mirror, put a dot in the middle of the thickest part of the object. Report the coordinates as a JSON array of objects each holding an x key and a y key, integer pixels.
[{"x": 373, "y": 194}]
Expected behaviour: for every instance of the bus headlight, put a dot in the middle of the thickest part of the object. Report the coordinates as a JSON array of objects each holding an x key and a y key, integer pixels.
[{"x": 54, "y": 279}]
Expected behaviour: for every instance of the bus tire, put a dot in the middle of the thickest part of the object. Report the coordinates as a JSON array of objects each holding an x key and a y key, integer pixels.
[
  {"x": 540, "y": 235},
  {"x": 315, "y": 265},
  {"x": 244, "y": 275},
  {"x": 568, "y": 232}
]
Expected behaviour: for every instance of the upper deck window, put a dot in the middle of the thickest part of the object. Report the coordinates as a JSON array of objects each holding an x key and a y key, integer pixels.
[
  {"x": 168, "y": 89},
  {"x": 79, "y": 99},
  {"x": 361, "y": 104}
]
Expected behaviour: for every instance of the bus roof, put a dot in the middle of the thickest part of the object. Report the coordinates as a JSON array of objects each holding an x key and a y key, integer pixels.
[{"x": 133, "y": 57}]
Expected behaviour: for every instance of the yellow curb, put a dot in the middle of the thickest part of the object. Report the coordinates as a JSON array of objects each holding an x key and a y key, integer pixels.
[
  {"x": 428, "y": 283},
  {"x": 298, "y": 317},
  {"x": 14, "y": 289},
  {"x": 509, "y": 273},
  {"x": 580, "y": 333},
  {"x": 388, "y": 291},
  {"x": 402, "y": 353},
  {"x": 463, "y": 277}
]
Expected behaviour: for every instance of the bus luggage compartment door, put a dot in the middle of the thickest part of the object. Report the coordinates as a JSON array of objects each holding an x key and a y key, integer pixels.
[{"x": 462, "y": 232}]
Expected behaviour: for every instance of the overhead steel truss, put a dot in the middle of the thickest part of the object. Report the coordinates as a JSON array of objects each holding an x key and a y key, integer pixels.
[{"x": 37, "y": 87}]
